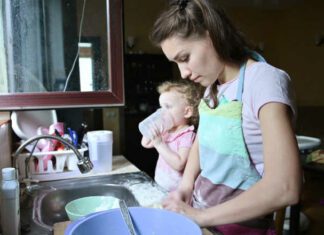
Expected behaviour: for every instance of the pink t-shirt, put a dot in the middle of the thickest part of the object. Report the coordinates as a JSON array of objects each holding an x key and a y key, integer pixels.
[
  {"x": 263, "y": 83},
  {"x": 165, "y": 175}
]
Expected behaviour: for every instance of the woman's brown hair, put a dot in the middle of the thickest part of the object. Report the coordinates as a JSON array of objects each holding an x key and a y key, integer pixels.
[{"x": 194, "y": 18}]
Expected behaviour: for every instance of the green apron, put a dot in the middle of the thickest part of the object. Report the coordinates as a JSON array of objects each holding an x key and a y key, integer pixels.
[{"x": 226, "y": 169}]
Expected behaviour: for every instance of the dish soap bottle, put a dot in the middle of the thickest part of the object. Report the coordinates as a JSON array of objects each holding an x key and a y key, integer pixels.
[{"x": 10, "y": 213}]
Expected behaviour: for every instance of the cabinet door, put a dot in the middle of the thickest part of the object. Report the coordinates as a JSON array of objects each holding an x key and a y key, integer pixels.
[{"x": 143, "y": 73}]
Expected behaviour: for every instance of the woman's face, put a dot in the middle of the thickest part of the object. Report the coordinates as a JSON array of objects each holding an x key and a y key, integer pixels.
[{"x": 196, "y": 58}]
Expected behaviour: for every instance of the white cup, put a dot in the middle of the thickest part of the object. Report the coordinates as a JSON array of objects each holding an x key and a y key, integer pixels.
[{"x": 161, "y": 118}]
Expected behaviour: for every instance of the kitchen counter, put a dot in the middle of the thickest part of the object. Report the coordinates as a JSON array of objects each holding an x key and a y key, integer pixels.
[
  {"x": 144, "y": 189},
  {"x": 142, "y": 186}
]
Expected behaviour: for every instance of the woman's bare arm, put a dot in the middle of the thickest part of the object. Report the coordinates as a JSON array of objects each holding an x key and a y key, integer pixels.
[{"x": 280, "y": 186}]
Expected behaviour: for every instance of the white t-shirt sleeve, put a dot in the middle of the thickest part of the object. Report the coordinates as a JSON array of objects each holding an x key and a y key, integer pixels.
[{"x": 270, "y": 84}]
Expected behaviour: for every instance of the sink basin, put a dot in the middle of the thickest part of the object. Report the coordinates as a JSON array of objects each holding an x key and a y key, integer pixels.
[
  {"x": 52, "y": 205},
  {"x": 43, "y": 205}
]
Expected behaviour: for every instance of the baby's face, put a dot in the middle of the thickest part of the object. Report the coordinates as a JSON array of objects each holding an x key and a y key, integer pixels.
[{"x": 176, "y": 104}]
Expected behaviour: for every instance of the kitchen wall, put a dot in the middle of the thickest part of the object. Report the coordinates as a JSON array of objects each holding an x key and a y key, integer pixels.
[
  {"x": 287, "y": 35},
  {"x": 111, "y": 118}
]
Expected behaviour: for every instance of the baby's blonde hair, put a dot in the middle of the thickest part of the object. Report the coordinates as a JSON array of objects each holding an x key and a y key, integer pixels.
[{"x": 191, "y": 91}]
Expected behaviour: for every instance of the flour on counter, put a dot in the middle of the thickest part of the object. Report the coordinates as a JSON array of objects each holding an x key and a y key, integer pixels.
[{"x": 147, "y": 194}]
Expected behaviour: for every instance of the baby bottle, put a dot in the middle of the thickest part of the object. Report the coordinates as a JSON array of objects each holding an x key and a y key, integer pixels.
[{"x": 161, "y": 118}]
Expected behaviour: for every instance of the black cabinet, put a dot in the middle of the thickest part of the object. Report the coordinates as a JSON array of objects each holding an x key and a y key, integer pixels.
[{"x": 142, "y": 74}]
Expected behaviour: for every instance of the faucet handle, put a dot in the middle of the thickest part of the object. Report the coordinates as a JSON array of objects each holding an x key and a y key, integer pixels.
[{"x": 28, "y": 181}]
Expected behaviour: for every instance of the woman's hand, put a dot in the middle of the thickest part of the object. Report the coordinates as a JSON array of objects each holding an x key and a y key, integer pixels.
[
  {"x": 178, "y": 200},
  {"x": 183, "y": 193},
  {"x": 174, "y": 202}
]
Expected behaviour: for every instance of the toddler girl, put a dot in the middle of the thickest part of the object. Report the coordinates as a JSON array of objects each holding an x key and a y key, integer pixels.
[{"x": 180, "y": 99}]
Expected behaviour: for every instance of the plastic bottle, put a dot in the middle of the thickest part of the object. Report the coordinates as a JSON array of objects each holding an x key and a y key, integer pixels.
[
  {"x": 161, "y": 118},
  {"x": 10, "y": 213},
  {"x": 100, "y": 150}
]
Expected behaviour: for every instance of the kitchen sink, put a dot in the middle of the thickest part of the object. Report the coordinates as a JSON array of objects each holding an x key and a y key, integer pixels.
[
  {"x": 44, "y": 204},
  {"x": 51, "y": 207}
]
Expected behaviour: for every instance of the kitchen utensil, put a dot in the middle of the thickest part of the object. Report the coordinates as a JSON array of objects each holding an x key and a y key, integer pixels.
[
  {"x": 81, "y": 207},
  {"x": 146, "y": 220},
  {"x": 26, "y": 123},
  {"x": 126, "y": 216}
]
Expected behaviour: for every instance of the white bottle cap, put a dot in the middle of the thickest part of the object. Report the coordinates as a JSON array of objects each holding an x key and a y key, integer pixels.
[{"x": 8, "y": 173}]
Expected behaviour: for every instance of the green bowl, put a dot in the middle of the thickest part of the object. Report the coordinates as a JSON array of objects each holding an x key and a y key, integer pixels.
[{"x": 81, "y": 207}]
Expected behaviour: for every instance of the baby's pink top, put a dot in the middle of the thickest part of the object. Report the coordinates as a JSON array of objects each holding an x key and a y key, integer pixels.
[
  {"x": 263, "y": 83},
  {"x": 165, "y": 175}
]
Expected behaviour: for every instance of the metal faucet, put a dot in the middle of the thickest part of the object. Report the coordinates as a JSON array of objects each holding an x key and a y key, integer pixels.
[{"x": 84, "y": 163}]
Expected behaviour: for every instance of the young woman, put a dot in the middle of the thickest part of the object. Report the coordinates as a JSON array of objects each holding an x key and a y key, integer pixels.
[
  {"x": 180, "y": 99},
  {"x": 244, "y": 162}
]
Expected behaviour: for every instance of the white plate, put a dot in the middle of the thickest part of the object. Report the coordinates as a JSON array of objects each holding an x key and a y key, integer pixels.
[
  {"x": 307, "y": 143},
  {"x": 26, "y": 123}
]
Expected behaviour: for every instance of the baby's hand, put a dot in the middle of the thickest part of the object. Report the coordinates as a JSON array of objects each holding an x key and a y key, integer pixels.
[
  {"x": 157, "y": 140},
  {"x": 156, "y": 135},
  {"x": 145, "y": 141}
]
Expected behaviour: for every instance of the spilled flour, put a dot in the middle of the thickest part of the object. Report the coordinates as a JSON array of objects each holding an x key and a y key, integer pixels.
[{"x": 147, "y": 194}]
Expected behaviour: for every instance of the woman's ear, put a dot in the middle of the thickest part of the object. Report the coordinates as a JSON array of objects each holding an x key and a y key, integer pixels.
[{"x": 188, "y": 111}]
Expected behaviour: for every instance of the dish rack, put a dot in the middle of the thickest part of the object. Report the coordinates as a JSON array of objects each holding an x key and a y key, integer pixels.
[{"x": 50, "y": 165}]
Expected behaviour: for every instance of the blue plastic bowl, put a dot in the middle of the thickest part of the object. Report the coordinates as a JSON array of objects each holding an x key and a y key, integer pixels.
[{"x": 147, "y": 221}]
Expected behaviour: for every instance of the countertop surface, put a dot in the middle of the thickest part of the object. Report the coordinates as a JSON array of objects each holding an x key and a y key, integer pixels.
[
  {"x": 145, "y": 190},
  {"x": 143, "y": 187}
]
